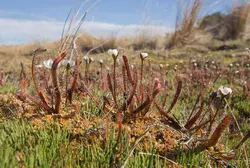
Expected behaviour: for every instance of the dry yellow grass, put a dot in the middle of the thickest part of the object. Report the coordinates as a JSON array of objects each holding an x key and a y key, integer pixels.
[{"x": 185, "y": 22}]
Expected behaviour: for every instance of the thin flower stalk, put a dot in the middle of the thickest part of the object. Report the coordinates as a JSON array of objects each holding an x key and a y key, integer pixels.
[
  {"x": 66, "y": 83},
  {"x": 114, "y": 82},
  {"x": 101, "y": 75},
  {"x": 39, "y": 91},
  {"x": 74, "y": 84}
]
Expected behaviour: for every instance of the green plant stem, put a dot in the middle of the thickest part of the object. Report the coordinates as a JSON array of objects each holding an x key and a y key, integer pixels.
[{"x": 101, "y": 76}]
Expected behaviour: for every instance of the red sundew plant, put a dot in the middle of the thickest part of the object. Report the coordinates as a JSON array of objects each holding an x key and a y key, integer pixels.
[
  {"x": 133, "y": 103},
  {"x": 43, "y": 103}
]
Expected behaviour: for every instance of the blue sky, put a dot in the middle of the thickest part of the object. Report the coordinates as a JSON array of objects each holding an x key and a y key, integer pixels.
[{"x": 24, "y": 21}]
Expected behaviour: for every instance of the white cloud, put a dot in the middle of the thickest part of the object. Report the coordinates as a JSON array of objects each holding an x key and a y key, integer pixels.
[{"x": 24, "y": 31}]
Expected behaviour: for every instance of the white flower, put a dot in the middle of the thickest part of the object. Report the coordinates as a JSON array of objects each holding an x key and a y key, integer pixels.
[
  {"x": 225, "y": 90},
  {"x": 247, "y": 49},
  {"x": 231, "y": 65},
  {"x": 195, "y": 64},
  {"x": 69, "y": 63},
  {"x": 237, "y": 64},
  {"x": 86, "y": 58},
  {"x": 161, "y": 66},
  {"x": 132, "y": 66},
  {"x": 113, "y": 52},
  {"x": 236, "y": 72},
  {"x": 101, "y": 61},
  {"x": 175, "y": 67},
  {"x": 48, "y": 63},
  {"x": 143, "y": 55},
  {"x": 91, "y": 60},
  {"x": 39, "y": 66},
  {"x": 167, "y": 65},
  {"x": 248, "y": 65},
  {"x": 213, "y": 62}
]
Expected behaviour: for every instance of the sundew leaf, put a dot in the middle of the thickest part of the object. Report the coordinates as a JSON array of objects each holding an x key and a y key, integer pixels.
[
  {"x": 218, "y": 131},
  {"x": 176, "y": 96}
]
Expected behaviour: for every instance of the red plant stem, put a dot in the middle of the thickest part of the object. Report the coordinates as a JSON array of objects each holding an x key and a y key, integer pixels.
[
  {"x": 52, "y": 98},
  {"x": 141, "y": 87},
  {"x": 142, "y": 92},
  {"x": 86, "y": 72},
  {"x": 192, "y": 120},
  {"x": 66, "y": 87},
  {"x": 39, "y": 92},
  {"x": 119, "y": 120},
  {"x": 23, "y": 85},
  {"x": 141, "y": 71},
  {"x": 22, "y": 73},
  {"x": 196, "y": 128},
  {"x": 101, "y": 77},
  {"x": 55, "y": 82},
  {"x": 114, "y": 80},
  {"x": 40, "y": 104},
  {"x": 76, "y": 74},
  {"x": 191, "y": 114},
  {"x": 171, "y": 121},
  {"x": 107, "y": 128},
  {"x": 33, "y": 73},
  {"x": 176, "y": 96},
  {"x": 130, "y": 97},
  {"x": 110, "y": 84}
]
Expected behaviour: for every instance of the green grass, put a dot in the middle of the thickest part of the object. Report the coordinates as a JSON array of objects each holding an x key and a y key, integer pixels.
[
  {"x": 8, "y": 88},
  {"x": 53, "y": 146},
  {"x": 21, "y": 144}
]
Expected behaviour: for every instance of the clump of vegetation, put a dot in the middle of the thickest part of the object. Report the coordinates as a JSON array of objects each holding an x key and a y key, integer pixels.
[{"x": 185, "y": 23}]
